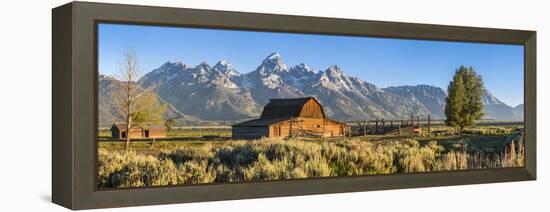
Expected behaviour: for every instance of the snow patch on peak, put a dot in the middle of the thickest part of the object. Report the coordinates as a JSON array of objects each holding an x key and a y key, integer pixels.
[
  {"x": 107, "y": 77},
  {"x": 335, "y": 73},
  {"x": 225, "y": 63},
  {"x": 303, "y": 68},
  {"x": 334, "y": 69},
  {"x": 166, "y": 71},
  {"x": 272, "y": 81},
  {"x": 202, "y": 67},
  {"x": 274, "y": 56},
  {"x": 272, "y": 64},
  {"x": 173, "y": 65},
  {"x": 225, "y": 68},
  {"x": 334, "y": 78}
]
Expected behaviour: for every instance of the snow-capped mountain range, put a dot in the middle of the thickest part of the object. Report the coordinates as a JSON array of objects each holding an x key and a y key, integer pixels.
[{"x": 221, "y": 93}]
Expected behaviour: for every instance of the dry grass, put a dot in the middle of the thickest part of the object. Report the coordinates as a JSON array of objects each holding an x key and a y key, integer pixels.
[{"x": 272, "y": 159}]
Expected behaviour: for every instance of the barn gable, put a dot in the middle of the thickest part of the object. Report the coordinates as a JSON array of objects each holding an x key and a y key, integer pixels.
[
  {"x": 119, "y": 131},
  {"x": 287, "y": 108},
  {"x": 282, "y": 118}
]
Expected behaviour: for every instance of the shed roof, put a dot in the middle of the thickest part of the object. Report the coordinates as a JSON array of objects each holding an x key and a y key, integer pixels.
[
  {"x": 285, "y": 108},
  {"x": 146, "y": 126}
]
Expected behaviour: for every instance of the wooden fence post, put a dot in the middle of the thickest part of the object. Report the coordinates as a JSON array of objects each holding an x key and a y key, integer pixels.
[
  {"x": 365, "y": 128},
  {"x": 360, "y": 126},
  {"x": 429, "y": 124},
  {"x": 399, "y": 130}
]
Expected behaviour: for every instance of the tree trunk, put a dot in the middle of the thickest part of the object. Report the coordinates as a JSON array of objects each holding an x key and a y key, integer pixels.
[
  {"x": 127, "y": 144},
  {"x": 128, "y": 128},
  {"x": 153, "y": 144}
]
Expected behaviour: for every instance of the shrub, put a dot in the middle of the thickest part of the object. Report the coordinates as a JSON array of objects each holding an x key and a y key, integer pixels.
[{"x": 273, "y": 159}]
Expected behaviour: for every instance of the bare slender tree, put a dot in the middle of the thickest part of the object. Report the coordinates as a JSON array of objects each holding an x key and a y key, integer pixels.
[{"x": 136, "y": 106}]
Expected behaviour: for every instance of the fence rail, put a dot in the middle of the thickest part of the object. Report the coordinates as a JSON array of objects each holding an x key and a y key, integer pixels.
[{"x": 410, "y": 125}]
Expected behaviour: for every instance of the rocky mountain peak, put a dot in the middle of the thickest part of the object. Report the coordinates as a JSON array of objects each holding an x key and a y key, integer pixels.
[
  {"x": 202, "y": 68},
  {"x": 334, "y": 71},
  {"x": 166, "y": 72},
  {"x": 489, "y": 99},
  {"x": 303, "y": 68},
  {"x": 170, "y": 68},
  {"x": 203, "y": 65},
  {"x": 335, "y": 79},
  {"x": 226, "y": 68},
  {"x": 211, "y": 93},
  {"x": 106, "y": 77},
  {"x": 275, "y": 56},
  {"x": 273, "y": 63}
]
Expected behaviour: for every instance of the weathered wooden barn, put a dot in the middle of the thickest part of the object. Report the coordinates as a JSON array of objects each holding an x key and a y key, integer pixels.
[
  {"x": 284, "y": 118},
  {"x": 120, "y": 131}
]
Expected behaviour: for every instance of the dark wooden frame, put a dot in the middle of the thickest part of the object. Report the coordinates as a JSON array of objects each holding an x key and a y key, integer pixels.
[{"x": 74, "y": 108}]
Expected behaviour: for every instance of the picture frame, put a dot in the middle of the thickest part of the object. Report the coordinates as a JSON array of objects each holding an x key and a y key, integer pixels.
[{"x": 74, "y": 100}]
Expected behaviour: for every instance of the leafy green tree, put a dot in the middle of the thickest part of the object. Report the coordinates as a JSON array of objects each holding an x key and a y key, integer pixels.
[
  {"x": 150, "y": 110},
  {"x": 136, "y": 106},
  {"x": 463, "y": 104}
]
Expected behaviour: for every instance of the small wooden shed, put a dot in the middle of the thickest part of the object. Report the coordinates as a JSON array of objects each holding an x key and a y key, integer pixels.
[
  {"x": 120, "y": 131},
  {"x": 283, "y": 118}
]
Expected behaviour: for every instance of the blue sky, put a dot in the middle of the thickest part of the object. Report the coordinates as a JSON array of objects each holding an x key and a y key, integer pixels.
[{"x": 381, "y": 61}]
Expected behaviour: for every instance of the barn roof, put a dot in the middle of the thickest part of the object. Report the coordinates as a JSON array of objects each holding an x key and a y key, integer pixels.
[
  {"x": 147, "y": 126},
  {"x": 278, "y": 110},
  {"x": 259, "y": 122},
  {"x": 267, "y": 122},
  {"x": 285, "y": 108}
]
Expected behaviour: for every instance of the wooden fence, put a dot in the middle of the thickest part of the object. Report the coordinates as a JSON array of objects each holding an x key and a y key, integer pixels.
[{"x": 389, "y": 127}]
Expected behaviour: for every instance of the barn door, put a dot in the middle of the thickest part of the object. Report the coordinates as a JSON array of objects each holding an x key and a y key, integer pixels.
[{"x": 276, "y": 131}]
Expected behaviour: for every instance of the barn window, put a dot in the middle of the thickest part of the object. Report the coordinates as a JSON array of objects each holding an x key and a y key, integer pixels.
[
  {"x": 147, "y": 133},
  {"x": 318, "y": 126},
  {"x": 123, "y": 134}
]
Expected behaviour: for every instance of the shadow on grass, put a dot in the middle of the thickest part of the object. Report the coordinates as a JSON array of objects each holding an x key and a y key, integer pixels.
[{"x": 203, "y": 138}]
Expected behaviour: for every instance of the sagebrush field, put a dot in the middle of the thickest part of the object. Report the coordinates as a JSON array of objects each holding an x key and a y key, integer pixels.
[{"x": 195, "y": 160}]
